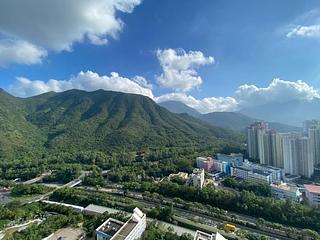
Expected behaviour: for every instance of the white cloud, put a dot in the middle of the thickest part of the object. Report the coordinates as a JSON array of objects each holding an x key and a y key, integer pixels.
[
  {"x": 205, "y": 105},
  {"x": 248, "y": 95},
  {"x": 142, "y": 82},
  {"x": 277, "y": 91},
  {"x": 88, "y": 81},
  {"x": 56, "y": 25},
  {"x": 20, "y": 52},
  {"x": 179, "y": 68},
  {"x": 304, "y": 31}
]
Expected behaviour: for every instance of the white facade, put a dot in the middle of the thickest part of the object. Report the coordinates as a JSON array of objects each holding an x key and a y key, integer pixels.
[
  {"x": 133, "y": 229},
  {"x": 310, "y": 124},
  {"x": 298, "y": 155},
  {"x": 314, "y": 135},
  {"x": 198, "y": 178},
  {"x": 254, "y": 140}
]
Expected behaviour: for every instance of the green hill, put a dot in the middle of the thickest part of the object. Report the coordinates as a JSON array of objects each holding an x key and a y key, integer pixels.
[
  {"x": 17, "y": 135},
  {"x": 102, "y": 120}
]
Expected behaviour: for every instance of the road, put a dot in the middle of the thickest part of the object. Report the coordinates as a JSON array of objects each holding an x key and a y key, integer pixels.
[
  {"x": 37, "y": 179},
  {"x": 71, "y": 184}
]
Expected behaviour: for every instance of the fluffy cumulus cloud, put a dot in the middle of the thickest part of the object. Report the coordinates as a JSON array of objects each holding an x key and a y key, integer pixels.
[
  {"x": 304, "y": 31},
  {"x": 88, "y": 81},
  {"x": 57, "y": 25},
  {"x": 179, "y": 68},
  {"x": 277, "y": 91},
  {"x": 247, "y": 96},
  {"x": 21, "y": 52},
  {"x": 205, "y": 105}
]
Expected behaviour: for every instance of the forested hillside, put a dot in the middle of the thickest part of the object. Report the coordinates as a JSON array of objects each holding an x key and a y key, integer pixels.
[{"x": 102, "y": 120}]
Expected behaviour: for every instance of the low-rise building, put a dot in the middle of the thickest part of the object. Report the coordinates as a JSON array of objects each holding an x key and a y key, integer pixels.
[
  {"x": 205, "y": 163},
  {"x": 286, "y": 191},
  {"x": 313, "y": 194},
  {"x": 93, "y": 209},
  {"x": 198, "y": 177},
  {"x": 205, "y": 236},
  {"x": 113, "y": 229},
  {"x": 257, "y": 173}
]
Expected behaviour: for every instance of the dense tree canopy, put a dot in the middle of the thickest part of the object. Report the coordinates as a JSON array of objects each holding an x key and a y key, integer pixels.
[{"x": 286, "y": 212}]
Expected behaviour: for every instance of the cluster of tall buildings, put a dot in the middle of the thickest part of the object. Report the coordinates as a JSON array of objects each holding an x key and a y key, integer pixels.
[{"x": 296, "y": 153}]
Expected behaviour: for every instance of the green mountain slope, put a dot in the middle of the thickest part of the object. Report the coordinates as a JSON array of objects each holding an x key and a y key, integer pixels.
[
  {"x": 76, "y": 120},
  {"x": 17, "y": 135}
]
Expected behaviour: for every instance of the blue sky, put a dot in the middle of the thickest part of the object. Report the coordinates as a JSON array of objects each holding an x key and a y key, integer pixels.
[{"x": 252, "y": 43}]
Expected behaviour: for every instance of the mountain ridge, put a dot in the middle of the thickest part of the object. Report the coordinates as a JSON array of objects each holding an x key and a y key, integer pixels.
[
  {"x": 231, "y": 120},
  {"x": 76, "y": 120}
]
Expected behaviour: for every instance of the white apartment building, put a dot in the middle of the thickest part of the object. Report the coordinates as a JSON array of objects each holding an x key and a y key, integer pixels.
[
  {"x": 313, "y": 194},
  {"x": 314, "y": 135},
  {"x": 310, "y": 124},
  {"x": 254, "y": 139},
  {"x": 298, "y": 155},
  {"x": 265, "y": 145},
  {"x": 113, "y": 229}
]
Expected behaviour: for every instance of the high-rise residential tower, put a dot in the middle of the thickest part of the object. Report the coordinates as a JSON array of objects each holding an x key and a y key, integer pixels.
[
  {"x": 254, "y": 139},
  {"x": 298, "y": 155},
  {"x": 309, "y": 124},
  {"x": 314, "y": 135}
]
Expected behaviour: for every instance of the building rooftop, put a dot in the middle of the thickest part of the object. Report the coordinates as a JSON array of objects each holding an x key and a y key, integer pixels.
[
  {"x": 96, "y": 209},
  {"x": 110, "y": 227},
  {"x": 203, "y": 236},
  {"x": 285, "y": 187},
  {"x": 118, "y": 230},
  {"x": 243, "y": 168},
  {"x": 67, "y": 234},
  {"x": 124, "y": 232},
  {"x": 312, "y": 188},
  {"x": 261, "y": 172}
]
